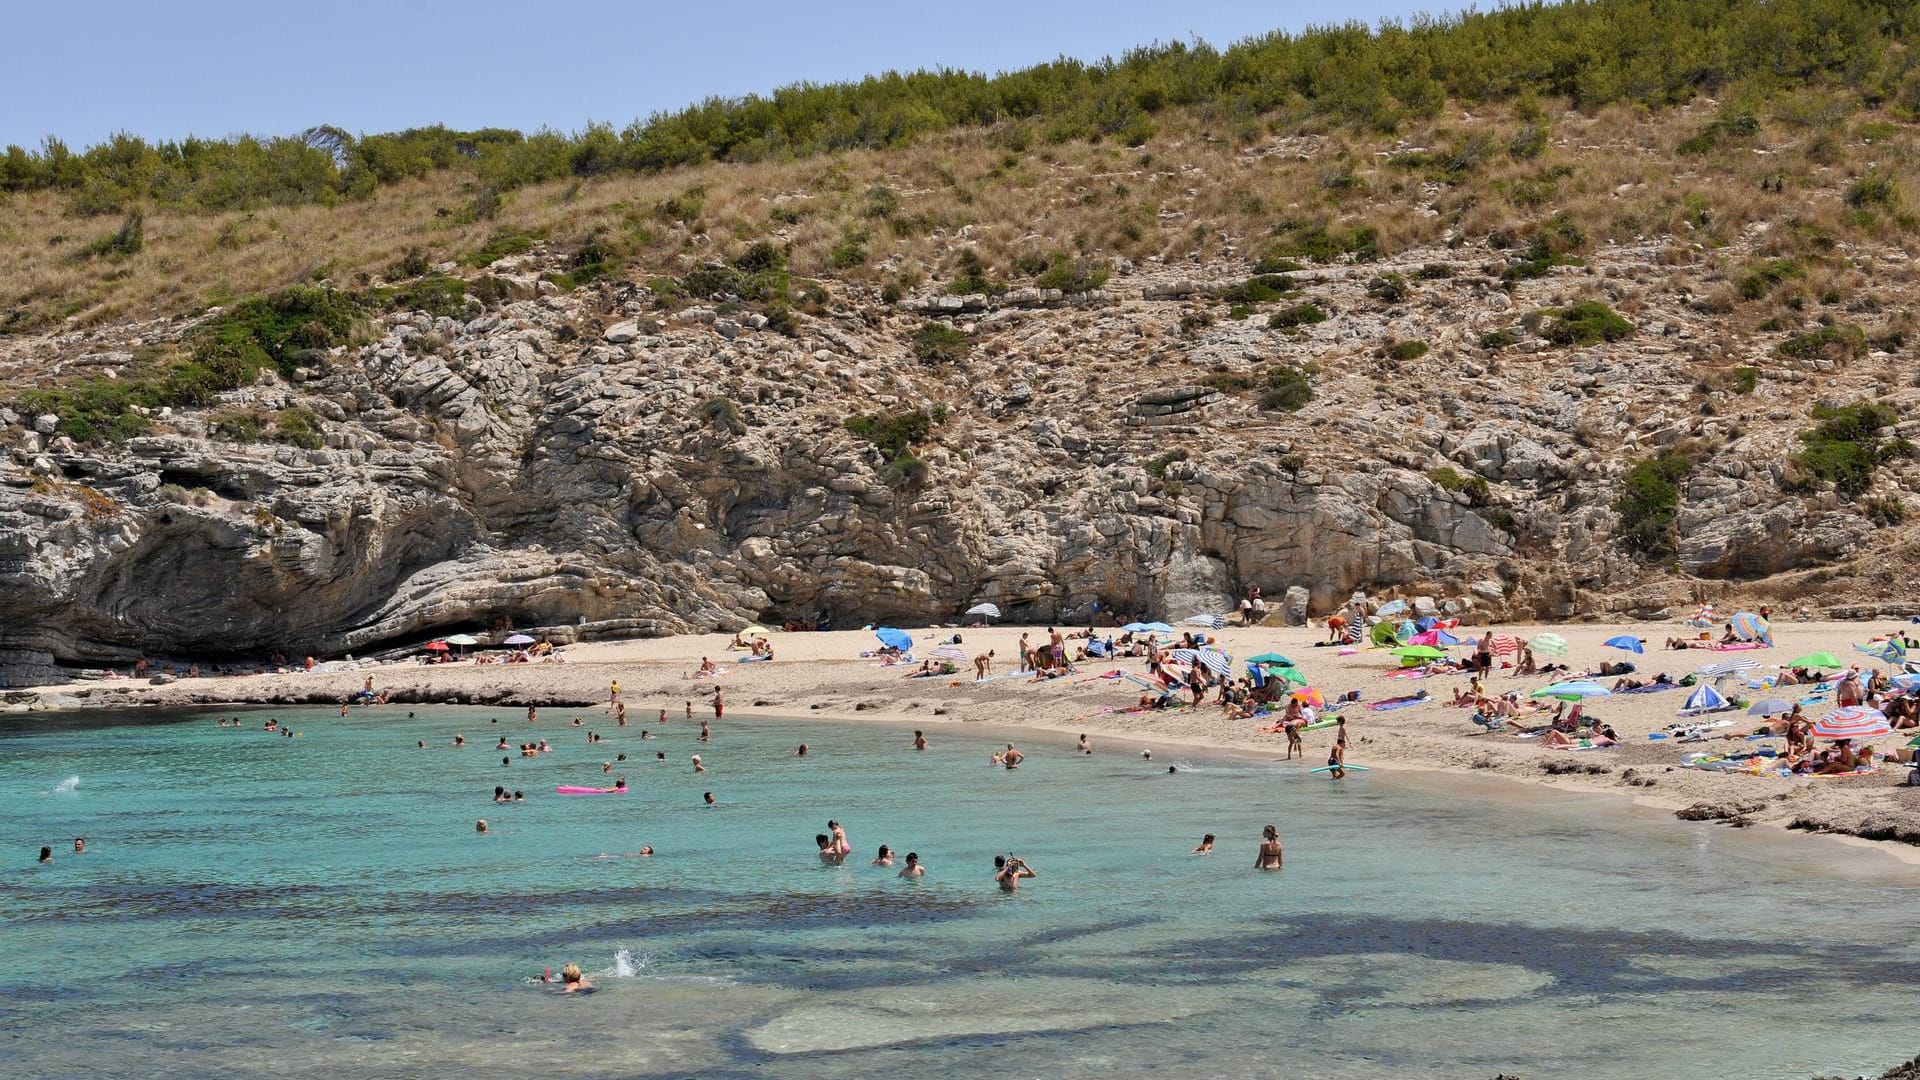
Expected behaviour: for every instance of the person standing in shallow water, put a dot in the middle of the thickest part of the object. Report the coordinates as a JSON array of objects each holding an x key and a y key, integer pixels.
[{"x": 1271, "y": 855}]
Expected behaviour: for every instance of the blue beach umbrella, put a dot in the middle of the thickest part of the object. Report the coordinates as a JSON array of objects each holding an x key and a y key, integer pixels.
[
  {"x": 1627, "y": 642},
  {"x": 898, "y": 639},
  {"x": 1573, "y": 691},
  {"x": 1157, "y": 628}
]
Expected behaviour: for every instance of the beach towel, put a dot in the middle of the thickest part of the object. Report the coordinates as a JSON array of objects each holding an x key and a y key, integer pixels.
[
  {"x": 1654, "y": 689},
  {"x": 1738, "y": 646},
  {"x": 1408, "y": 673},
  {"x": 1397, "y": 703}
]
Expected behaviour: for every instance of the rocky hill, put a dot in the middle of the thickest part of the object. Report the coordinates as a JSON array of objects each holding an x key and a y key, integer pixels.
[{"x": 1522, "y": 359}]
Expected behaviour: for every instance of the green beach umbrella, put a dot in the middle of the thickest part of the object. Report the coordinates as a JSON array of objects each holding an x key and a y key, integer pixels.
[
  {"x": 1417, "y": 652},
  {"x": 1270, "y": 659},
  {"x": 1289, "y": 675},
  {"x": 1548, "y": 643},
  {"x": 1815, "y": 659}
]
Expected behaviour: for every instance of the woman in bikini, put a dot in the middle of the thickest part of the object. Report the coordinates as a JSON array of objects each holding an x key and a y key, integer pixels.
[{"x": 1270, "y": 856}]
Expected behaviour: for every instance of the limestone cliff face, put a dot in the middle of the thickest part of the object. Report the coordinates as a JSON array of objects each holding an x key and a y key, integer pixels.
[{"x": 589, "y": 463}]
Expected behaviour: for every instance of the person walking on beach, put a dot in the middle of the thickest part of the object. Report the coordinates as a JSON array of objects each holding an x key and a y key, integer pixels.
[
  {"x": 613, "y": 693},
  {"x": 1008, "y": 871},
  {"x": 1271, "y": 854},
  {"x": 719, "y": 706}
]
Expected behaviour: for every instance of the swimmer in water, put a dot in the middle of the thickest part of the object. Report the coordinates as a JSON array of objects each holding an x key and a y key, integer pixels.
[
  {"x": 1271, "y": 855},
  {"x": 533, "y": 714},
  {"x": 519, "y": 796},
  {"x": 802, "y": 751},
  {"x": 573, "y": 980},
  {"x": 645, "y": 734},
  {"x": 885, "y": 858},
  {"x": 913, "y": 869},
  {"x": 1173, "y": 768},
  {"x": 620, "y": 784},
  {"x": 1146, "y": 755},
  {"x": 660, "y": 756},
  {"x": 459, "y": 740},
  {"x": 647, "y": 852},
  {"x": 1008, "y": 871},
  {"x": 480, "y": 826},
  {"x": 46, "y": 854},
  {"x": 79, "y": 845},
  {"x": 1206, "y": 845},
  {"x": 708, "y": 797},
  {"x": 839, "y": 838},
  {"x": 1085, "y": 746},
  {"x": 827, "y": 853},
  {"x": 1012, "y": 758},
  {"x": 689, "y": 711},
  {"x": 706, "y": 733},
  {"x": 423, "y": 744},
  {"x": 919, "y": 740},
  {"x": 576, "y": 722},
  {"x": 663, "y": 717},
  {"x": 697, "y": 766},
  {"x": 500, "y": 794}
]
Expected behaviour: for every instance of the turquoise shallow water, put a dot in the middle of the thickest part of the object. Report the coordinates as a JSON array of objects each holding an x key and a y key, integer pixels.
[{"x": 323, "y": 907}]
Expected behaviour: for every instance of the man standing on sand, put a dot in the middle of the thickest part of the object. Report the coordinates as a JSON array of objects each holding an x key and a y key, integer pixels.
[
  {"x": 1026, "y": 654},
  {"x": 1483, "y": 653},
  {"x": 719, "y": 706},
  {"x": 983, "y": 665}
]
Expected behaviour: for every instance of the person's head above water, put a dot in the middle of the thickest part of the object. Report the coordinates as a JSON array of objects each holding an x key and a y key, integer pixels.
[
  {"x": 708, "y": 798},
  {"x": 46, "y": 853}
]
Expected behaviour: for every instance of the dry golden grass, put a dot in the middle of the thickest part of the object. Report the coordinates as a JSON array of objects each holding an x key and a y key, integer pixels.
[{"x": 1191, "y": 195}]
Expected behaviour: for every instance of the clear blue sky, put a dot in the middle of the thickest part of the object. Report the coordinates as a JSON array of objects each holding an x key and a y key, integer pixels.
[{"x": 84, "y": 69}]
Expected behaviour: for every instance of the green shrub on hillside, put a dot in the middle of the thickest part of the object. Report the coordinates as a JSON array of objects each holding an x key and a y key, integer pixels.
[
  {"x": 1840, "y": 342},
  {"x": 1846, "y": 448},
  {"x": 1648, "y": 500},
  {"x": 1588, "y": 323},
  {"x": 1297, "y": 315},
  {"x": 938, "y": 343},
  {"x": 1288, "y": 389}
]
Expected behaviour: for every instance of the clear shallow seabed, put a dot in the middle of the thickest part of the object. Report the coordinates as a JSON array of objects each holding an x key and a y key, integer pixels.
[{"x": 322, "y": 906}]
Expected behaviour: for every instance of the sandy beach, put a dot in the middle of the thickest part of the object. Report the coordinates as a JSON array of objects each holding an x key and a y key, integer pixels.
[{"x": 823, "y": 674}]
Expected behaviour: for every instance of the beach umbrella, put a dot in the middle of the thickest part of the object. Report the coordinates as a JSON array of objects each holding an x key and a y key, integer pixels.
[
  {"x": 1889, "y": 651},
  {"x": 1382, "y": 633},
  {"x": 1288, "y": 675},
  {"x": 1435, "y": 637},
  {"x": 988, "y": 610},
  {"x": 1548, "y": 643},
  {"x": 1307, "y": 695},
  {"x": 1270, "y": 659},
  {"x": 518, "y": 639},
  {"x": 1751, "y": 627},
  {"x": 756, "y": 630},
  {"x": 1908, "y": 682},
  {"x": 462, "y": 639},
  {"x": 1815, "y": 659},
  {"x": 949, "y": 651},
  {"x": 1501, "y": 644},
  {"x": 1425, "y": 623},
  {"x": 1212, "y": 659},
  {"x": 1852, "y": 722},
  {"x": 1417, "y": 652},
  {"x": 1391, "y": 607},
  {"x": 1211, "y": 622},
  {"x": 1405, "y": 630},
  {"x": 1727, "y": 667},
  {"x": 897, "y": 639},
  {"x": 1156, "y": 628},
  {"x": 1135, "y": 628},
  {"x": 1772, "y": 706},
  {"x": 1627, "y": 642},
  {"x": 1573, "y": 691},
  {"x": 1705, "y": 699},
  {"x": 436, "y": 646}
]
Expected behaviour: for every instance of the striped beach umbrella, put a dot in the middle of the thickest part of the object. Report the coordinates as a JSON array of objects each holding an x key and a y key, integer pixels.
[
  {"x": 1548, "y": 643},
  {"x": 1852, "y": 722},
  {"x": 1888, "y": 652},
  {"x": 989, "y": 610},
  {"x": 949, "y": 651},
  {"x": 1502, "y": 644},
  {"x": 1211, "y": 622},
  {"x": 1751, "y": 627},
  {"x": 1727, "y": 667},
  {"x": 1212, "y": 659}
]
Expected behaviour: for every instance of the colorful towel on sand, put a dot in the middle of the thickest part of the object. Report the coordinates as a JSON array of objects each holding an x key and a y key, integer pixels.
[
  {"x": 1738, "y": 646},
  {"x": 1654, "y": 689},
  {"x": 1409, "y": 673},
  {"x": 1397, "y": 703}
]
